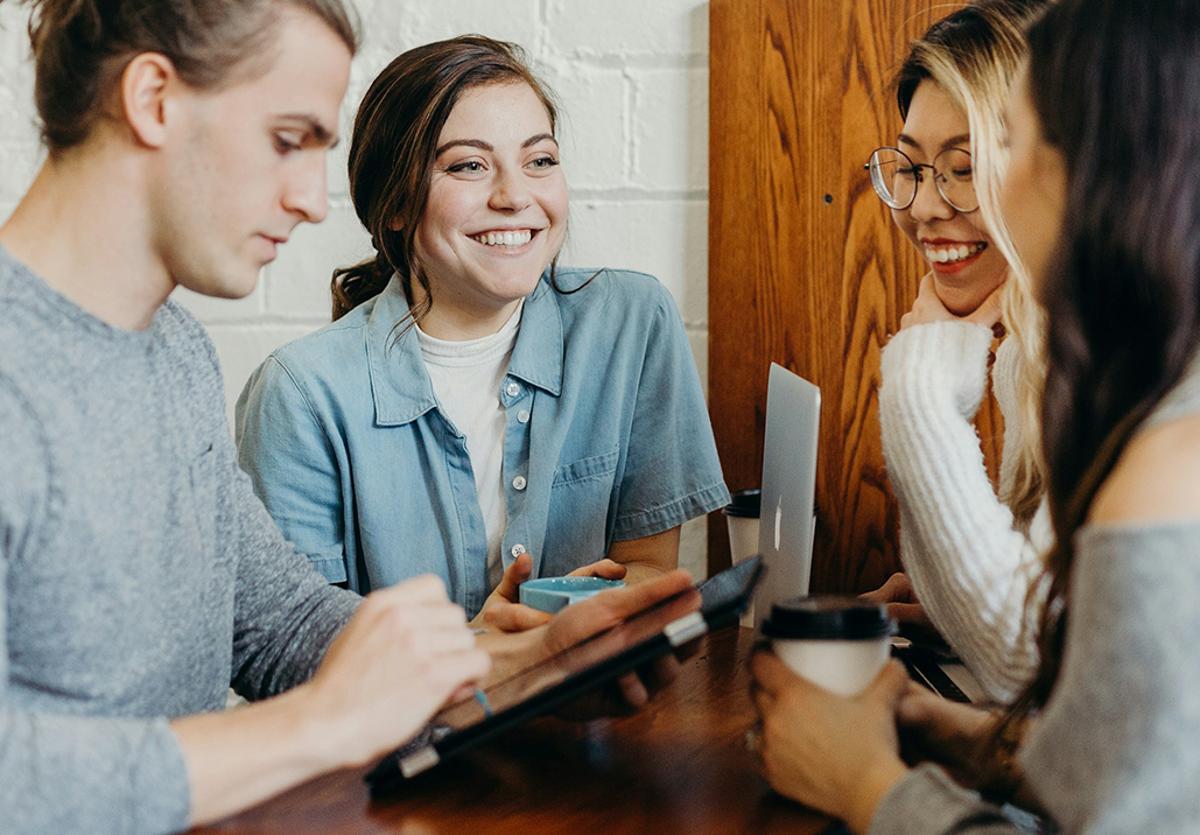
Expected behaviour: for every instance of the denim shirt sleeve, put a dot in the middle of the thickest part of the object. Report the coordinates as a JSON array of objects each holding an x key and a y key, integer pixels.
[
  {"x": 289, "y": 458},
  {"x": 671, "y": 471}
]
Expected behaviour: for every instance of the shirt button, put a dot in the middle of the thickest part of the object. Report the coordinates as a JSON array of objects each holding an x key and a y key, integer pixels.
[
  {"x": 523, "y": 416},
  {"x": 518, "y": 550},
  {"x": 519, "y": 483},
  {"x": 512, "y": 389}
]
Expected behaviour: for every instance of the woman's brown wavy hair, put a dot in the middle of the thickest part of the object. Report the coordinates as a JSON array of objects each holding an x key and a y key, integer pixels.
[{"x": 394, "y": 146}]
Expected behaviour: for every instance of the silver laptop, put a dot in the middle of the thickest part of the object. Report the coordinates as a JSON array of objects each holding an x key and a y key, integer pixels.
[
  {"x": 787, "y": 523},
  {"x": 786, "y": 520}
]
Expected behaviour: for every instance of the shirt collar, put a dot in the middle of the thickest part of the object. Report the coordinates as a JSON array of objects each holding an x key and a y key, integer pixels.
[
  {"x": 400, "y": 385},
  {"x": 538, "y": 355}
]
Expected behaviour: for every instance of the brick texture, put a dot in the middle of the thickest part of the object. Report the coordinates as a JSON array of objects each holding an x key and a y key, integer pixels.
[{"x": 632, "y": 78}]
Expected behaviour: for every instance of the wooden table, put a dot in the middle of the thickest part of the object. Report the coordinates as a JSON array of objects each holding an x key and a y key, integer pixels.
[{"x": 680, "y": 765}]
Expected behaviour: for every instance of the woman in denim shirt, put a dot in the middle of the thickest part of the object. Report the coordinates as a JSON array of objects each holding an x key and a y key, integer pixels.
[{"x": 473, "y": 411}]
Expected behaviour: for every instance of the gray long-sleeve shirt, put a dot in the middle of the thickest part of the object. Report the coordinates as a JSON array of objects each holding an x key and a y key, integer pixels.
[
  {"x": 1117, "y": 749},
  {"x": 139, "y": 574}
]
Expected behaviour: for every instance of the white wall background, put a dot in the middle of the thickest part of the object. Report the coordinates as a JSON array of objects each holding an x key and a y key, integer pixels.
[{"x": 632, "y": 77}]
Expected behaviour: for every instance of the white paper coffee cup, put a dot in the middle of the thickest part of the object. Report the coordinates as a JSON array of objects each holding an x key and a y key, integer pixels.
[
  {"x": 743, "y": 537},
  {"x": 741, "y": 518},
  {"x": 838, "y": 643}
]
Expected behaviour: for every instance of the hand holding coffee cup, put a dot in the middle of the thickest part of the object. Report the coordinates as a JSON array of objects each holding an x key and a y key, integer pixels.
[{"x": 838, "y": 643}]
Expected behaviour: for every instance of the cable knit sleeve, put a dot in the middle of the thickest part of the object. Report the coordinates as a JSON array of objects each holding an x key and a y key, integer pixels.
[{"x": 969, "y": 564}]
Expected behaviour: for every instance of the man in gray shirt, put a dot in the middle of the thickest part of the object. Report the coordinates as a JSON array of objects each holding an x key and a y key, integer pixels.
[{"x": 139, "y": 573}]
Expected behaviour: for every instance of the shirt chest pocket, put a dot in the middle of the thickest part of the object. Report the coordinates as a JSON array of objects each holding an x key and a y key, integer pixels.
[{"x": 577, "y": 525}]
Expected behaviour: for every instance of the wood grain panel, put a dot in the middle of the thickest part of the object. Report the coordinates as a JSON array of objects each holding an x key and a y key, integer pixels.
[{"x": 805, "y": 266}]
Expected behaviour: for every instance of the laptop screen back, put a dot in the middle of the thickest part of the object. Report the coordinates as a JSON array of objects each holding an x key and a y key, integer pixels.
[{"x": 786, "y": 523}]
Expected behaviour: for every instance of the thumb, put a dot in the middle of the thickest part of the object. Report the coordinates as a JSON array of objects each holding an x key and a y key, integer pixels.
[
  {"x": 516, "y": 574},
  {"x": 988, "y": 313},
  {"x": 513, "y": 617}
]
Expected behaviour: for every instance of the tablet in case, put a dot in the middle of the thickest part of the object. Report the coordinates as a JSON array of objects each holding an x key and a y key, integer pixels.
[{"x": 539, "y": 689}]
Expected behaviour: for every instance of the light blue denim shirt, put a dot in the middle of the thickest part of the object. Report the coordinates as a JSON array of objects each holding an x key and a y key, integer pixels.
[{"x": 606, "y": 425}]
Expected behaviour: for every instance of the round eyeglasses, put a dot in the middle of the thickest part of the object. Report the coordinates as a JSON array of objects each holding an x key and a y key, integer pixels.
[{"x": 896, "y": 178}]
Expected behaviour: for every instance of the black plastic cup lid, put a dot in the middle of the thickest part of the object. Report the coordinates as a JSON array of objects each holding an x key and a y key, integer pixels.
[
  {"x": 745, "y": 503},
  {"x": 828, "y": 618}
]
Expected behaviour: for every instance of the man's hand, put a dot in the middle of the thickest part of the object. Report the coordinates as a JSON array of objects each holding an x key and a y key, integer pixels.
[
  {"x": 406, "y": 651},
  {"x": 404, "y": 654},
  {"x": 503, "y": 610}
]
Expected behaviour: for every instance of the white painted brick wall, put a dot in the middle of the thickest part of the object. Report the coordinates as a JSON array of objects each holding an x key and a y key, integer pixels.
[{"x": 632, "y": 78}]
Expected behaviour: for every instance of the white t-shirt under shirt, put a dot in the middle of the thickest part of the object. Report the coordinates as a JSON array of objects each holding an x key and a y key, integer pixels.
[{"x": 466, "y": 377}]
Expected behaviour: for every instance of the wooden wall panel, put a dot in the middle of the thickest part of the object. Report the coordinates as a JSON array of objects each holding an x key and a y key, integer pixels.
[{"x": 805, "y": 267}]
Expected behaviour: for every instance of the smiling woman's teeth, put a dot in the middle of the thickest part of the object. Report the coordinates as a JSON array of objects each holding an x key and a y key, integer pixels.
[
  {"x": 516, "y": 238},
  {"x": 950, "y": 254}
]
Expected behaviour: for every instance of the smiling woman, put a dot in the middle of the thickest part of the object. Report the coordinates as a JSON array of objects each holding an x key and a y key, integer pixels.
[
  {"x": 944, "y": 221},
  {"x": 475, "y": 411},
  {"x": 970, "y": 551},
  {"x": 496, "y": 212}
]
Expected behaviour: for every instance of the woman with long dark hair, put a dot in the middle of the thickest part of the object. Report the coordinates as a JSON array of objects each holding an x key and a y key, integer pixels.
[
  {"x": 475, "y": 411},
  {"x": 1103, "y": 202}
]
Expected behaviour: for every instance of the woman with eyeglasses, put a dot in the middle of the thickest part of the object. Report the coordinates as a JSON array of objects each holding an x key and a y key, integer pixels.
[
  {"x": 970, "y": 553},
  {"x": 1103, "y": 199}
]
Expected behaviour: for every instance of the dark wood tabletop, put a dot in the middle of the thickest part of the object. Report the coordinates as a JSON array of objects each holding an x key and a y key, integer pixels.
[{"x": 681, "y": 765}]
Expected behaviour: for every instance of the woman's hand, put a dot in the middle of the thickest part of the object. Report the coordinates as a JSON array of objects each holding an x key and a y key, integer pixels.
[
  {"x": 929, "y": 308},
  {"x": 503, "y": 610},
  {"x": 840, "y": 756},
  {"x": 900, "y": 600},
  {"x": 588, "y": 618},
  {"x": 948, "y": 733},
  {"x": 608, "y": 609}
]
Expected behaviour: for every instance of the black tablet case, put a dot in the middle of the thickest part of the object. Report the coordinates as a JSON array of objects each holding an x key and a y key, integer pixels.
[{"x": 724, "y": 596}]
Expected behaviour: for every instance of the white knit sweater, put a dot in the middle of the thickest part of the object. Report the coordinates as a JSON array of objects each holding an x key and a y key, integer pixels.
[{"x": 970, "y": 563}]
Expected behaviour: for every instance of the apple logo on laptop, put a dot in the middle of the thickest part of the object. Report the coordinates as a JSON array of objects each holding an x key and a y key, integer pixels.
[{"x": 778, "y": 521}]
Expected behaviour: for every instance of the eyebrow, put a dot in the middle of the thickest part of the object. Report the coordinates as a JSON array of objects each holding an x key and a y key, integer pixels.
[
  {"x": 487, "y": 146},
  {"x": 962, "y": 138},
  {"x": 314, "y": 126},
  {"x": 536, "y": 138}
]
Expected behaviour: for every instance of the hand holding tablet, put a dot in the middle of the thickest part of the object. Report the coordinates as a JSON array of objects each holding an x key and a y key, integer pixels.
[{"x": 581, "y": 651}]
